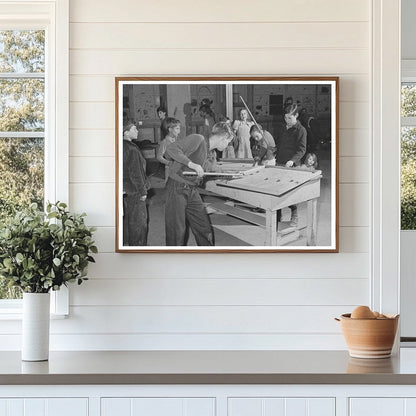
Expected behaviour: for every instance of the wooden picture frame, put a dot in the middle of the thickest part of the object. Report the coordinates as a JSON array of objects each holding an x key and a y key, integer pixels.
[{"x": 250, "y": 205}]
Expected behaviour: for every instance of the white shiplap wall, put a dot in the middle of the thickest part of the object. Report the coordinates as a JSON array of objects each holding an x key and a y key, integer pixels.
[{"x": 174, "y": 301}]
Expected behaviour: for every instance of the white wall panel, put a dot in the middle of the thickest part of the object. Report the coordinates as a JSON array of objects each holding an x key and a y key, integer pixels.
[
  {"x": 105, "y": 239},
  {"x": 200, "y": 319},
  {"x": 354, "y": 202},
  {"x": 185, "y": 11},
  {"x": 95, "y": 142},
  {"x": 354, "y": 87},
  {"x": 91, "y": 88},
  {"x": 96, "y": 199},
  {"x": 354, "y": 239},
  {"x": 178, "y": 341},
  {"x": 213, "y": 291},
  {"x": 354, "y": 142},
  {"x": 95, "y": 116},
  {"x": 354, "y": 170},
  {"x": 221, "y": 35},
  {"x": 97, "y": 88},
  {"x": 354, "y": 115},
  {"x": 227, "y": 300},
  {"x": 90, "y": 169},
  {"x": 354, "y": 265},
  {"x": 255, "y": 61}
]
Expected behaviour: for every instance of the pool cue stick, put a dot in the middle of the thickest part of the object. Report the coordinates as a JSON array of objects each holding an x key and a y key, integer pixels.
[
  {"x": 191, "y": 173},
  {"x": 254, "y": 121},
  {"x": 251, "y": 115}
]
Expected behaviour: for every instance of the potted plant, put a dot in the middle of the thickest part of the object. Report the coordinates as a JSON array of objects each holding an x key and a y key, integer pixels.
[{"x": 40, "y": 252}]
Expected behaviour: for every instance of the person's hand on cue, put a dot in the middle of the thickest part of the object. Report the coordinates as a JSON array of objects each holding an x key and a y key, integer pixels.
[{"x": 197, "y": 168}]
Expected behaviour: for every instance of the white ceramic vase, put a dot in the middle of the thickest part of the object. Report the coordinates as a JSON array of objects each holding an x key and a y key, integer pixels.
[{"x": 35, "y": 326}]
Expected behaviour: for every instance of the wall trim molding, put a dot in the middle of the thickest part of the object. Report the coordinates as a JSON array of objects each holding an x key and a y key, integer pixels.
[{"x": 385, "y": 99}]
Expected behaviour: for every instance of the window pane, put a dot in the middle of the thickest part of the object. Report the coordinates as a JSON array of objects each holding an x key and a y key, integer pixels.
[
  {"x": 21, "y": 182},
  {"x": 22, "y": 51},
  {"x": 22, "y": 104},
  {"x": 21, "y": 173},
  {"x": 408, "y": 178},
  {"x": 408, "y": 100}
]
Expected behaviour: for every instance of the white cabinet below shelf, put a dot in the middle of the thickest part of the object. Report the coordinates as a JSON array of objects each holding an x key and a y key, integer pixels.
[
  {"x": 382, "y": 406},
  {"x": 160, "y": 406},
  {"x": 271, "y": 406},
  {"x": 44, "y": 407}
]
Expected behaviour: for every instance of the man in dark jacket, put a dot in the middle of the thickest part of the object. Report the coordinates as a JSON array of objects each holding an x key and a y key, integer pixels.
[{"x": 135, "y": 186}]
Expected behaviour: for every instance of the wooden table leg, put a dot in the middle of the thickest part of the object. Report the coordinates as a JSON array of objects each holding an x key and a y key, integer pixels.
[
  {"x": 312, "y": 222},
  {"x": 271, "y": 228}
]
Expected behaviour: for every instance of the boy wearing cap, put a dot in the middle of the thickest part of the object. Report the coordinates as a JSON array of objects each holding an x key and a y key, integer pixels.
[
  {"x": 291, "y": 144},
  {"x": 135, "y": 187},
  {"x": 291, "y": 147}
]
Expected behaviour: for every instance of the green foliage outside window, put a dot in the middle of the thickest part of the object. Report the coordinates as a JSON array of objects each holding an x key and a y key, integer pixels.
[
  {"x": 21, "y": 110},
  {"x": 408, "y": 160}
]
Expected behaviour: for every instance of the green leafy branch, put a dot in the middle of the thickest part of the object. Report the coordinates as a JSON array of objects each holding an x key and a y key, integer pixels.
[{"x": 43, "y": 251}]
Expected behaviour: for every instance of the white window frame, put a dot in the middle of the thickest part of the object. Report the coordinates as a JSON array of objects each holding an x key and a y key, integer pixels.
[
  {"x": 408, "y": 237},
  {"x": 53, "y": 17},
  {"x": 385, "y": 150}
]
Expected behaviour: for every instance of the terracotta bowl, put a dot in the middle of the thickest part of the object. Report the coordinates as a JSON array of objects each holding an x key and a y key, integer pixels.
[{"x": 369, "y": 338}]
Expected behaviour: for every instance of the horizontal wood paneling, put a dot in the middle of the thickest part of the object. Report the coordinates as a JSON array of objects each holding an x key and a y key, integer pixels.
[
  {"x": 105, "y": 239},
  {"x": 92, "y": 115},
  {"x": 354, "y": 142},
  {"x": 256, "y": 61},
  {"x": 354, "y": 115},
  {"x": 200, "y": 319},
  {"x": 256, "y": 301},
  {"x": 92, "y": 88},
  {"x": 98, "y": 88},
  {"x": 354, "y": 239},
  {"x": 216, "y": 11},
  {"x": 159, "y": 265},
  {"x": 146, "y": 342},
  {"x": 221, "y": 291},
  {"x": 354, "y": 170},
  {"x": 96, "y": 199},
  {"x": 221, "y": 35},
  {"x": 89, "y": 169},
  {"x": 354, "y": 208},
  {"x": 93, "y": 142},
  {"x": 206, "y": 320}
]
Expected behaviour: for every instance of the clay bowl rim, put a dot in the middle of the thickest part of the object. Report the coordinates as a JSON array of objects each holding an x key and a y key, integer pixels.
[{"x": 347, "y": 316}]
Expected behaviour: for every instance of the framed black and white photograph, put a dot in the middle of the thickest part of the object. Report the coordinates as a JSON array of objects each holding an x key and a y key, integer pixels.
[{"x": 227, "y": 164}]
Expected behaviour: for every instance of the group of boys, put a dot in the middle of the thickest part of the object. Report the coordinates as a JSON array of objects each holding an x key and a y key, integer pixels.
[{"x": 184, "y": 204}]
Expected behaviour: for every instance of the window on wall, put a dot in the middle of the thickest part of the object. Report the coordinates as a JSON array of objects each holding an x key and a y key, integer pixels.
[
  {"x": 33, "y": 115},
  {"x": 408, "y": 156},
  {"x": 22, "y": 125}
]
